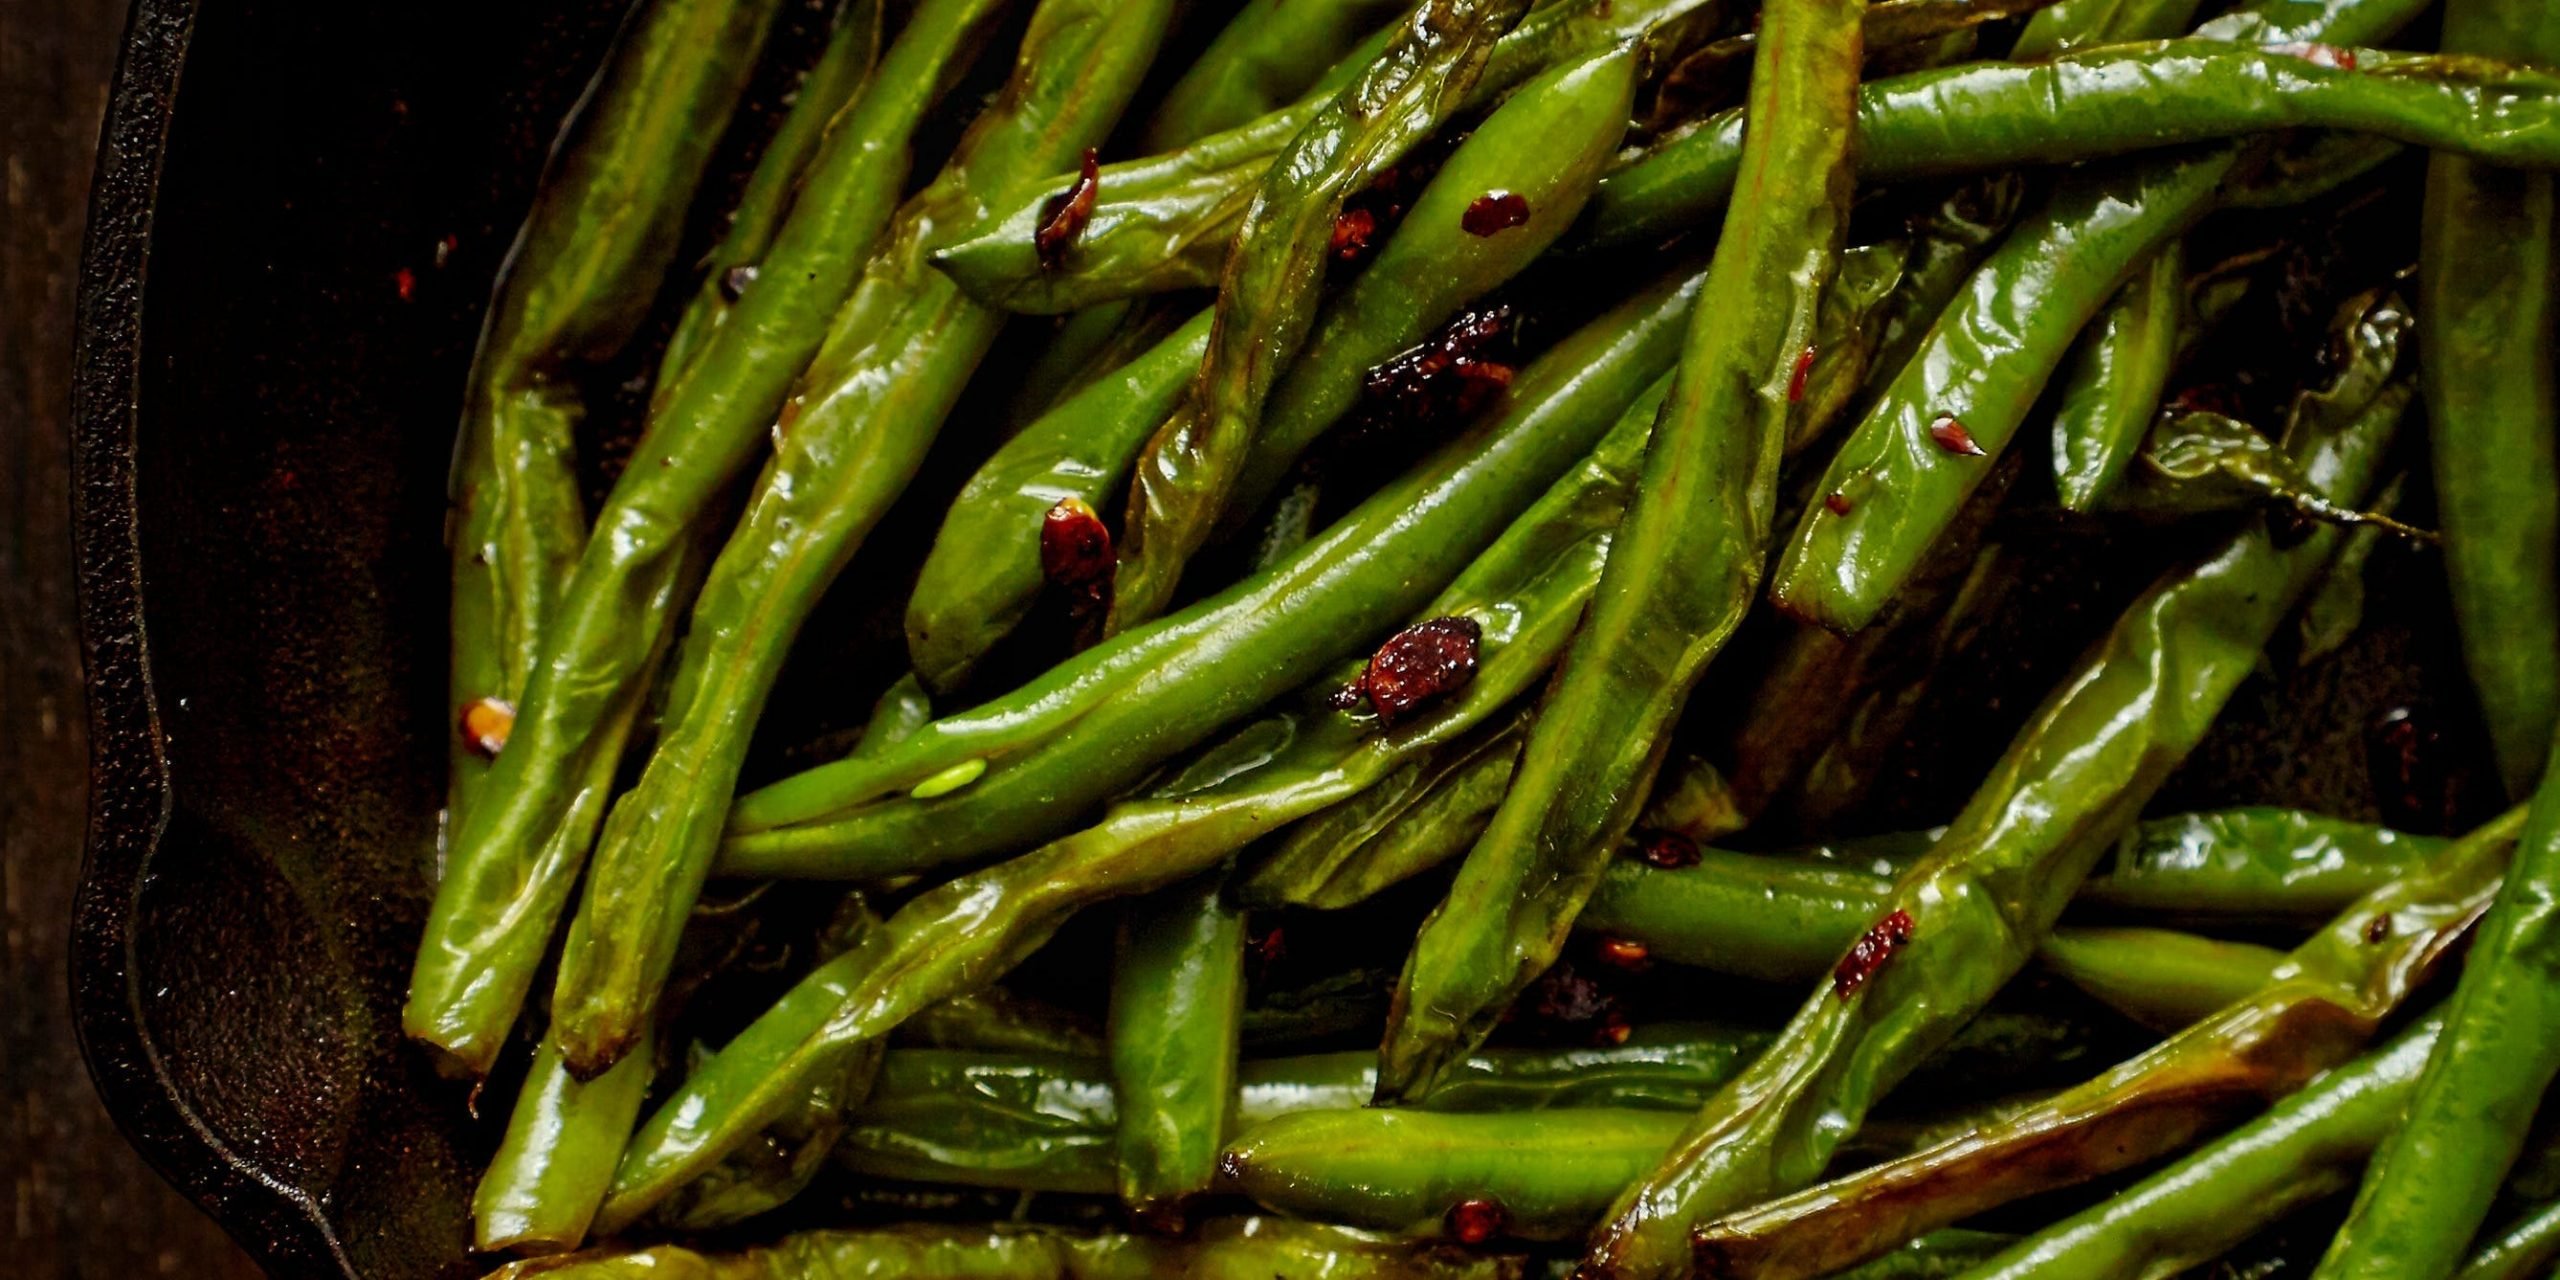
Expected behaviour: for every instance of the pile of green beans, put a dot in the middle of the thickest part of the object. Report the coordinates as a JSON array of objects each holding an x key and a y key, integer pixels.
[{"x": 1497, "y": 686}]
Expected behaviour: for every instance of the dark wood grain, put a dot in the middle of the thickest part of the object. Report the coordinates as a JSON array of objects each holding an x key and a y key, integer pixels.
[{"x": 81, "y": 1203}]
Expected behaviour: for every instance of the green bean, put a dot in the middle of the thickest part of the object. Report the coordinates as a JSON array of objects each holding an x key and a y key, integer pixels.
[
  {"x": 1546, "y": 146},
  {"x": 2431, "y": 1185},
  {"x": 2069, "y": 784},
  {"x": 870, "y": 404},
  {"x": 2526, "y": 1249},
  {"x": 2487, "y": 291},
  {"x": 1268, "y": 55},
  {"x": 1098, "y": 722},
  {"x": 2252, "y": 864},
  {"x": 2177, "y": 980},
  {"x": 1165, "y": 222},
  {"x": 835, "y": 81},
  {"x": 993, "y": 1020},
  {"x": 1272, "y": 282},
  {"x": 2331, "y": 993},
  {"x": 1177, "y": 1005},
  {"x": 983, "y": 574},
  {"x": 542, "y": 1188},
  {"x": 1548, "y": 1174},
  {"x": 2071, "y": 25},
  {"x": 514, "y": 858},
  {"x": 965, "y": 933},
  {"x": 2114, "y": 383},
  {"x": 1683, "y": 566},
  {"x": 2303, "y": 1149},
  {"x": 766, "y": 1174}
]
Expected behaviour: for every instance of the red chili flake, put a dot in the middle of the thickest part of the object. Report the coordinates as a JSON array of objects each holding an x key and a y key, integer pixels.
[
  {"x": 1066, "y": 215},
  {"x": 1668, "y": 850},
  {"x": 1270, "y": 946},
  {"x": 734, "y": 281},
  {"x": 485, "y": 724},
  {"x": 1347, "y": 698},
  {"x": 1952, "y": 437},
  {"x": 1353, "y": 230},
  {"x": 1795, "y": 380},
  {"x": 1870, "y": 952},
  {"x": 1614, "y": 1028},
  {"x": 1837, "y": 502},
  {"x": 2378, "y": 929},
  {"x": 1476, "y": 1221},
  {"x": 1075, "y": 546},
  {"x": 1420, "y": 663},
  {"x": 406, "y": 281},
  {"x": 1452, "y": 376},
  {"x": 2319, "y": 55},
  {"x": 1495, "y": 211},
  {"x": 1625, "y": 953}
]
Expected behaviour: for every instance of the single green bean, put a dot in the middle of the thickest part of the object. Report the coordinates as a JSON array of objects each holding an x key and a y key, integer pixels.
[
  {"x": 1177, "y": 1008},
  {"x": 983, "y": 574},
  {"x": 2303, "y": 1149},
  {"x": 1274, "y": 279},
  {"x": 1971, "y": 911},
  {"x": 870, "y": 404},
  {"x": 2071, "y": 25},
  {"x": 1545, "y": 147},
  {"x": 2488, "y": 294},
  {"x": 2254, "y": 863},
  {"x": 2112, "y": 387},
  {"x": 2176, "y": 978},
  {"x": 2328, "y": 997},
  {"x": 542, "y": 1188},
  {"x": 1266, "y": 57},
  {"x": 514, "y": 858},
  {"x": 1098, "y": 722},
  {"x": 1682, "y": 569},
  {"x": 2525, "y": 1250}
]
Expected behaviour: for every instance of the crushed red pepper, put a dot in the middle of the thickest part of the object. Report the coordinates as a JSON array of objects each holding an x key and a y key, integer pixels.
[
  {"x": 1370, "y": 212},
  {"x": 1066, "y": 215},
  {"x": 1668, "y": 850},
  {"x": 2378, "y": 929},
  {"x": 405, "y": 282},
  {"x": 1353, "y": 232},
  {"x": 485, "y": 724},
  {"x": 1476, "y": 1221},
  {"x": 1493, "y": 212},
  {"x": 1624, "y": 953},
  {"x": 1870, "y": 952},
  {"x": 1448, "y": 378},
  {"x": 1838, "y": 503},
  {"x": 1420, "y": 663},
  {"x": 1075, "y": 546},
  {"x": 1952, "y": 437},
  {"x": 1796, "y": 380}
]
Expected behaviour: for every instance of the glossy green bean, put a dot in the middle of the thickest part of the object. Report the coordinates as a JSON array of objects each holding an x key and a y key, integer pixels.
[
  {"x": 2177, "y": 978},
  {"x": 2303, "y": 1149},
  {"x": 833, "y": 82},
  {"x": 2114, "y": 382},
  {"x": 1547, "y": 145},
  {"x": 1177, "y": 1009},
  {"x": 549, "y": 1175},
  {"x": 2488, "y": 293},
  {"x": 513, "y": 859},
  {"x": 1682, "y": 570},
  {"x": 2255, "y": 863},
  {"x": 1232, "y": 1249},
  {"x": 2070, "y": 783},
  {"x": 1266, "y": 57},
  {"x": 869, "y": 406},
  {"x": 1550, "y": 1172},
  {"x": 576, "y": 288},
  {"x": 2525, "y": 1250},
  {"x": 2331, "y": 993},
  {"x": 1098, "y": 722},
  {"x": 983, "y": 574},
  {"x": 995, "y": 1021},
  {"x": 2071, "y": 25},
  {"x": 1273, "y": 280}
]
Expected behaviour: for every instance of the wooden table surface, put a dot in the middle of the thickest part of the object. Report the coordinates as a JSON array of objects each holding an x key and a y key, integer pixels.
[{"x": 81, "y": 1203}]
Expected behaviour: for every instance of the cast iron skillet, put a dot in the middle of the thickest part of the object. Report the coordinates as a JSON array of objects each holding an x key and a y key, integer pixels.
[{"x": 289, "y": 250}]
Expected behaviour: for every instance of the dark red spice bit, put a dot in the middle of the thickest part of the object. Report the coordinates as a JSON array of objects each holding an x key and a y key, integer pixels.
[
  {"x": 1614, "y": 1029},
  {"x": 734, "y": 281},
  {"x": 1066, "y": 215},
  {"x": 1796, "y": 380},
  {"x": 1353, "y": 230},
  {"x": 2378, "y": 929},
  {"x": 1451, "y": 376},
  {"x": 1476, "y": 1221},
  {"x": 485, "y": 724},
  {"x": 2319, "y": 55},
  {"x": 1268, "y": 947},
  {"x": 1625, "y": 953},
  {"x": 1347, "y": 698},
  {"x": 1836, "y": 502},
  {"x": 1952, "y": 437},
  {"x": 405, "y": 282},
  {"x": 1668, "y": 850},
  {"x": 1870, "y": 952},
  {"x": 1075, "y": 546},
  {"x": 1566, "y": 999},
  {"x": 1422, "y": 662},
  {"x": 1495, "y": 211}
]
